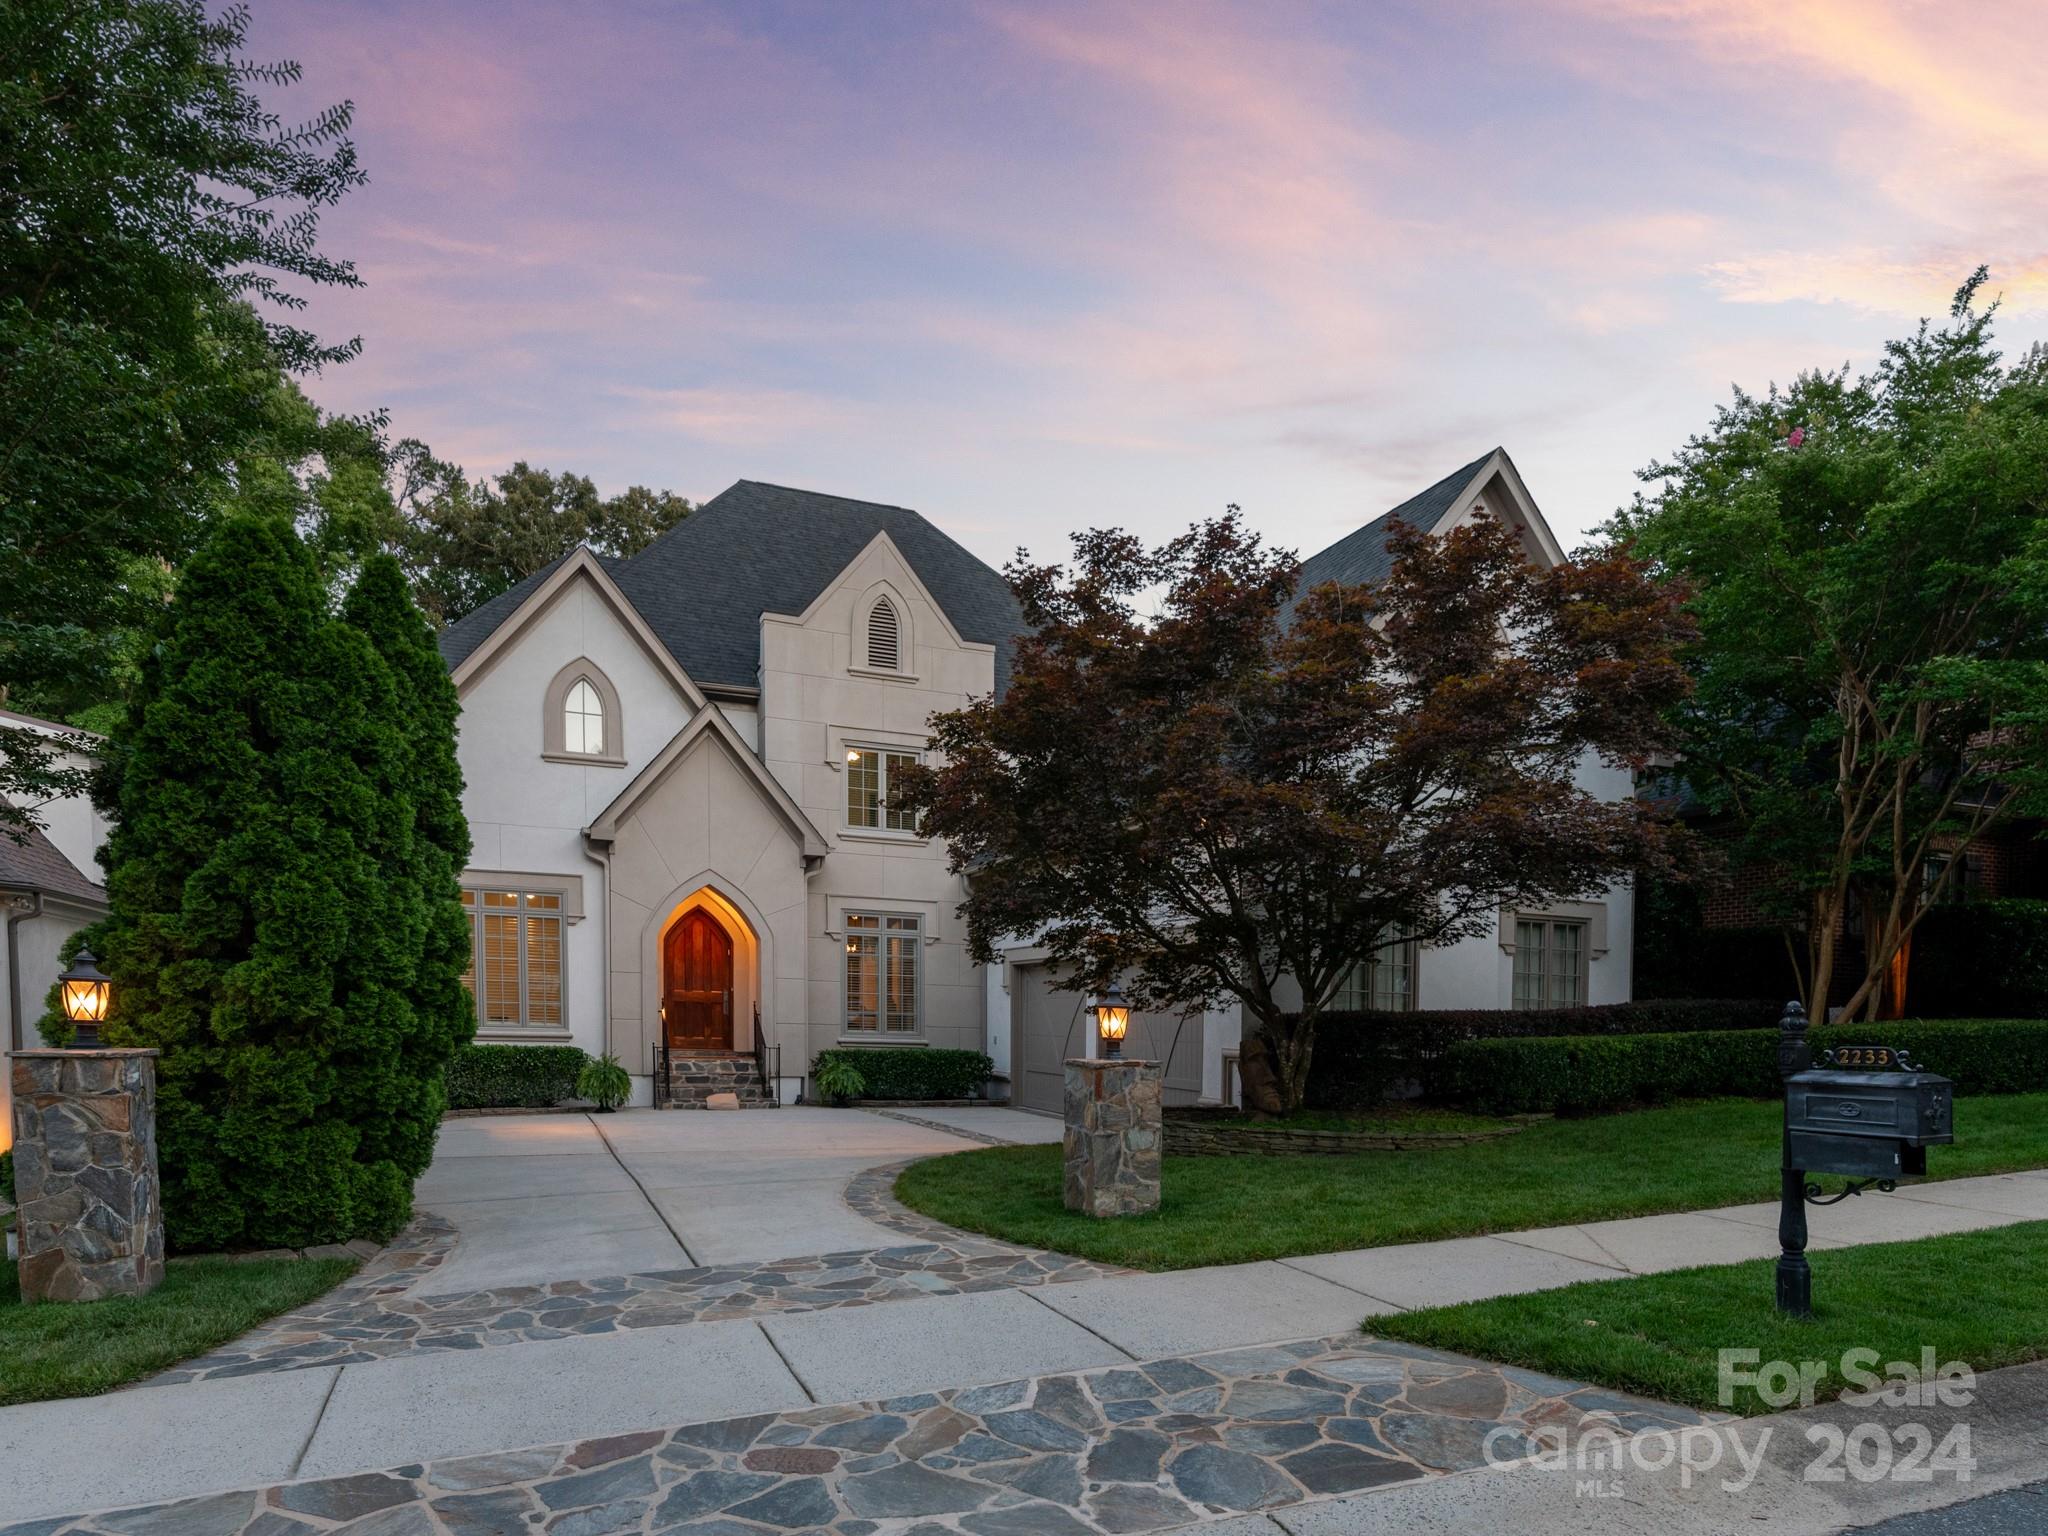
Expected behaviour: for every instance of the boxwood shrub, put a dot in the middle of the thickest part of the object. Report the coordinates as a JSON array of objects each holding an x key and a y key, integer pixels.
[
  {"x": 1361, "y": 1057},
  {"x": 1591, "y": 1074},
  {"x": 513, "y": 1076},
  {"x": 898, "y": 1072}
]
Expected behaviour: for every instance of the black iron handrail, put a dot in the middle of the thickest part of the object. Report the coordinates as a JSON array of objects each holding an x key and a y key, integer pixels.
[
  {"x": 661, "y": 1077},
  {"x": 771, "y": 1085}
]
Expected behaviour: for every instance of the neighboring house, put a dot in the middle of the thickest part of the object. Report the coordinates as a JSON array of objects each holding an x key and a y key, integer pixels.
[
  {"x": 45, "y": 896},
  {"x": 1562, "y": 954}
]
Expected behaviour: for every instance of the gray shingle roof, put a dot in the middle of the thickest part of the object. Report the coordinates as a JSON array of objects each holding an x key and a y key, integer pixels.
[
  {"x": 477, "y": 626},
  {"x": 703, "y": 586},
  {"x": 1363, "y": 556},
  {"x": 36, "y": 865}
]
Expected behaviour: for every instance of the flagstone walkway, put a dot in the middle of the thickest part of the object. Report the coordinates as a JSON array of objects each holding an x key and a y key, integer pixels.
[
  {"x": 379, "y": 1315},
  {"x": 1126, "y": 1449}
]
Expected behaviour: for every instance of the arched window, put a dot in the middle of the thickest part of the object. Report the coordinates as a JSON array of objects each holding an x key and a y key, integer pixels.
[
  {"x": 885, "y": 651},
  {"x": 583, "y": 720}
]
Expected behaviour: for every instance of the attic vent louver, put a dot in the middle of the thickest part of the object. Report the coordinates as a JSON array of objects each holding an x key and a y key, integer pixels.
[{"x": 883, "y": 648}]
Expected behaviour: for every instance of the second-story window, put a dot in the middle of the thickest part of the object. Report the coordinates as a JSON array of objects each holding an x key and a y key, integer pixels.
[
  {"x": 868, "y": 772},
  {"x": 583, "y": 720}
]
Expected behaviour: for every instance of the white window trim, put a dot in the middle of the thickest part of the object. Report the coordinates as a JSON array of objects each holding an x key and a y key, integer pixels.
[
  {"x": 558, "y": 886},
  {"x": 926, "y": 938},
  {"x": 875, "y": 834}
]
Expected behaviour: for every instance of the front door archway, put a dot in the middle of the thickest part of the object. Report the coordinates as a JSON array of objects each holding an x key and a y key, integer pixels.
[{"x": 696, "y": 983}]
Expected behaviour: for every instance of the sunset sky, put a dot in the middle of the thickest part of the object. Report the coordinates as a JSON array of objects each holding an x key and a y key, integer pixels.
[{"x": 1034, "y": 266}]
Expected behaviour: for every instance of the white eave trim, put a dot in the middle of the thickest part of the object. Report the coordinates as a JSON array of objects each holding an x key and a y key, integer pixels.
[{"x": 580, "y": 565}]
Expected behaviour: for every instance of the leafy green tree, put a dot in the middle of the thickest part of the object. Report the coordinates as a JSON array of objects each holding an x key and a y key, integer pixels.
[
  {"x": 150, "y": 207},
  {"x": 256, "y": 936},
  {"x": 1243, "y": 797},
  {"x": 463, "y": 542},
  {"x": 401, "y": 1108},
  {"x": 1869, "y": 559}
]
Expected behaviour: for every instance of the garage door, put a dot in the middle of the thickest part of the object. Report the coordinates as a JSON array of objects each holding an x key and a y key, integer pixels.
[{"x": 1047, "y": 1027}]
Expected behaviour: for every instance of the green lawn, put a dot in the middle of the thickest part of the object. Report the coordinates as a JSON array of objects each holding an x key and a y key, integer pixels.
[
  {"x": 1661, "y": 1335},
  {"x": 58, "y": 1349},
  {"x": 1225, "y": 1210}
]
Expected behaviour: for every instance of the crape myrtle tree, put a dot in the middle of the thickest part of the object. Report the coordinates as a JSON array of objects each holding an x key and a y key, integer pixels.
[
  {"x": 1868, "y": 558},
  {"x": 1247, "y": 794},
  {"x": 268, "y": 911}
]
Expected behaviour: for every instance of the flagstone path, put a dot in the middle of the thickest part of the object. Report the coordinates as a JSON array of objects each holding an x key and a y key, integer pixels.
[
  {"x": 1125, "y": 1449},
  {"x": 379, "y": 1315}
]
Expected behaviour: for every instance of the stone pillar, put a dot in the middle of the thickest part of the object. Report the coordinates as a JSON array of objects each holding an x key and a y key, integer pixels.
[
  {"x": 1112, "y": 1141},
  {"x": 88, "y": 1210}
]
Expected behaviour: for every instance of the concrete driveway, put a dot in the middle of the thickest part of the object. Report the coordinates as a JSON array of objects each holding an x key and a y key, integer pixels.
[{"x": 563, "y": 1197}]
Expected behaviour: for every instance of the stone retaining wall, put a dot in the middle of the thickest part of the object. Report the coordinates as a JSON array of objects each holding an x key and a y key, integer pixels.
[{"x": 1196, "y": 1138}]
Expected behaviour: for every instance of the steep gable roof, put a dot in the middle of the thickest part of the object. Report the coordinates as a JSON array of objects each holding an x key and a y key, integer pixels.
[
  {"x": 757, "y": 548},
  {"x": 1363, "y": 557}
]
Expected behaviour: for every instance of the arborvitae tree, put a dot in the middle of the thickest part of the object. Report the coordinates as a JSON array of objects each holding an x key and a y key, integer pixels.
[
  {"x": 254, "y": 937},
  {"x": 439, "y": 1013}
]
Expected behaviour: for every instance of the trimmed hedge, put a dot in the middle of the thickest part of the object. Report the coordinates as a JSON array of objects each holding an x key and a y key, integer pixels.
[
  {"x": 1979, "y": 960},
  {"x": 513, "y": 1076},
  {"x": 1590, "y": 1075},
  {"x": 898, "y": 1072},
  {"x": 1361, "y": 1057}
]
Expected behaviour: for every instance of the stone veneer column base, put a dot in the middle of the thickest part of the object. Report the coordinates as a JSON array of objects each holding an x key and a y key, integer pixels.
[
  {"x": 1113, "y": 1137},
  {"x": 88, "y": 1208}
]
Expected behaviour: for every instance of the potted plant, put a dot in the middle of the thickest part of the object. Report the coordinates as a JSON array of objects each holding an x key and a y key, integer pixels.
[{"x": 604, "y": 1082}]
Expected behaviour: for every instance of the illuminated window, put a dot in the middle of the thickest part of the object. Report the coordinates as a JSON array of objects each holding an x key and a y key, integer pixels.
[
  {"x": 1550, "y": 963},
  {"x": 515, "y": 966},
  {"x": 868, "y": 772},
  {"x": 881, "y": 973}
]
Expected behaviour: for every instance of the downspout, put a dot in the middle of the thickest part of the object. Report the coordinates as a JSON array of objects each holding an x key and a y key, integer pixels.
[{"x": 17, "y": 909}]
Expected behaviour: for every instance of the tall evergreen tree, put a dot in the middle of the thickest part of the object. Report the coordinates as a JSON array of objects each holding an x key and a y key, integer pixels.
[
  {"x": 439, "y": 1013},
  {"x": 254, "y": 938}
]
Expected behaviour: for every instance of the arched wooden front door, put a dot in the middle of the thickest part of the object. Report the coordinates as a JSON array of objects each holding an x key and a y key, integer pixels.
[{"x": 696, "y": 983}]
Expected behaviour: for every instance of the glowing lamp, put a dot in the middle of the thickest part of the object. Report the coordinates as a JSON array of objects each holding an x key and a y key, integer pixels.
[
  {"x": 1112, "y": 1020},
  {"x": 86, "y": 991}
]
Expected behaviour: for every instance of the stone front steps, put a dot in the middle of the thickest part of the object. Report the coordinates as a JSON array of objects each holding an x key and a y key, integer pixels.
[{"x": 694, "y": 1076}]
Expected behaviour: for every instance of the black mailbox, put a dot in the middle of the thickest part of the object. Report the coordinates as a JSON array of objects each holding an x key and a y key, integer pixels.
[{"x": 1872, "y": 1125}]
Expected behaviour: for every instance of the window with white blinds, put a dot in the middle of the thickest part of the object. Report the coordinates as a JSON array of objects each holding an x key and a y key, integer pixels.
[
  {"x": 881, "y": 973},
  {"x": 885, "y": 650},
  {"x": 515, "y": 968}
]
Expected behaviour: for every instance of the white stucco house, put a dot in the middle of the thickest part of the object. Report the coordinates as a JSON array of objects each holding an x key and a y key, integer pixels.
[
  {"x": 46, "y": 895},
  {"x": 677, "y": 772}
]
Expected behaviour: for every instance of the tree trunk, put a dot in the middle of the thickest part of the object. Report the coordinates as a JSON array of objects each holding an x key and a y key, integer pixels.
[{"x": 1283, "y": 1063}]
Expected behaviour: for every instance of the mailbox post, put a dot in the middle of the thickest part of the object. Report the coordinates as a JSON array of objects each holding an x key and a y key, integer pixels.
[
  {"x": 1795, "y": 1275},
  {"x": 1867, "y": 1113}
]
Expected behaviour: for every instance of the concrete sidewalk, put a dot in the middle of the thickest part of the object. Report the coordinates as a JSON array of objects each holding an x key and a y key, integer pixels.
[{"x": 327, "y": 1420}]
